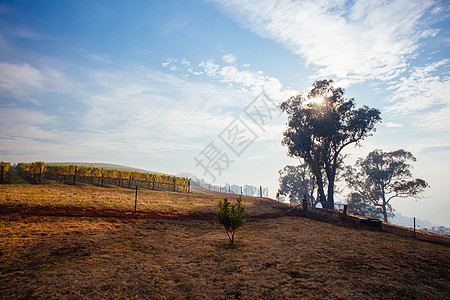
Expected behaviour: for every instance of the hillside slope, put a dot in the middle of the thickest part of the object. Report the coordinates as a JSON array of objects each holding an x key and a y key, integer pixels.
[
  {"x": 169, "y": 250},
  {"x": 64, "y": 195}
]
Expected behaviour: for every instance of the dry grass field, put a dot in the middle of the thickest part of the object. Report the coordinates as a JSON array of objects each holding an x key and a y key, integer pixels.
[
  {"x": 169, "y": 258},
  {"x": 88, "y": 196}
]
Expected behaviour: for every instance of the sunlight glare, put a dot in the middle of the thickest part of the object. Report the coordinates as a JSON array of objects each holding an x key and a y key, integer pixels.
[{"x": 316, "y": 100}]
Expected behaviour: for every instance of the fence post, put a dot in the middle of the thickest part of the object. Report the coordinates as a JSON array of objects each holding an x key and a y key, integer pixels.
[
  {"x": 414, "y": 227},
  {"x": 189, "y": 186},
  {"x": 305, "y": 206},
  {"x": 135, "y": 200},
  {"x": 344, "y": 214},
  {"x": 260, "y": 191},
  {"x": 1, "y": 180}
]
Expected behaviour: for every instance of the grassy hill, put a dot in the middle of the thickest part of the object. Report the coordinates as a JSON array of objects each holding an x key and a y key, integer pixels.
[{"x": 173, "y": 248}]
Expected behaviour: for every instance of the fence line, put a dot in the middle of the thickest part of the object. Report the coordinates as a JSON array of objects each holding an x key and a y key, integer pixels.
[{"x": 121, "y": 182}]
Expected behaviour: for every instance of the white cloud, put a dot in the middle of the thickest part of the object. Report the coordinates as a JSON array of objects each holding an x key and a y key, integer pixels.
[
  {"x": 424, "y": 92},
  {"x": 136, "y": 110},
  {"x": 18, "y": 123},
  {"x": 26, "y": 82},
  {"x": 151, "y": 105},
  {"x": 99, "y": 57},
  {"x": 254, "y": 82},
  {"x": 392, "y": 125},
  {"x": 24, "y": 33},
  {"x": 185, "y": 62},
  {"x": 436, "y": 120},
  {"x": 18, "y": 80},
  {"x": 246, "y": 82},
  {"x": 229, "y": 58},
  {"x": 358, "y": 41}
]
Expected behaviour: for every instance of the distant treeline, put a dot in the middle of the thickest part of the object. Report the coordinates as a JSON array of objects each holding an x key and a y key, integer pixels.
[{"x": 36, "y": 172}]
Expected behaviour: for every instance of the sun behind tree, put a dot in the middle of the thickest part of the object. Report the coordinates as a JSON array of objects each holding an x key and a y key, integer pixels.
[{"x": 318, "y": 131}]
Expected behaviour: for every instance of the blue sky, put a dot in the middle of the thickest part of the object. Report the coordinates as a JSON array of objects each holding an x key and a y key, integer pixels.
[{"x": 157, "y": 84}]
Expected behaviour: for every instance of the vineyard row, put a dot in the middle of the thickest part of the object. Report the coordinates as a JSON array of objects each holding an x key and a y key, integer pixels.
[{"x": 35, "y": 172}]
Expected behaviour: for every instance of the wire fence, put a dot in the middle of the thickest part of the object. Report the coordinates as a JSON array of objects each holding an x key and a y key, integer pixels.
[{"x": 120, "y": 182}]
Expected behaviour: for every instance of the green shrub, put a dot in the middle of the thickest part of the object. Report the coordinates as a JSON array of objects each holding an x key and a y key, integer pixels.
[{"x": 231, "y": 216}]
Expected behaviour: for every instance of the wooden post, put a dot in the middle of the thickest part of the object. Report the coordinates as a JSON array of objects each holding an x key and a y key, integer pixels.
[
  {"x": 305, "y": 206},
  {"x": 189, "y": 186},
  {"x": 344, "y": 214},
  {"x": 241, "y": 190},
  {"x": 414, "y": 227},
  {"x": 260, "y": 191},
  {"x": 1, "y": 180},
  {"x": 135, "y": 200}
]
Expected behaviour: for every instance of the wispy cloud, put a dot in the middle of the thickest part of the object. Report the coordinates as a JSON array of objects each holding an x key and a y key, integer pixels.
[
  {"x": 29, "y": 124},
  {"x": 25, "y": 82},
  {"x": 135, "y": 110},
  {"x": 246, "y": 81},
  {"x": 25, "y": 33},
  {"x": 174, "y": 24},
  {"x": 20, "y": 79},
  {"x": 99, "y": 57},
  {"x": 392, "y": 125},
  {"x": 355, "y": 41},
  {"x": 229, "y": 58},
  {"x": 425, "y": 92}
]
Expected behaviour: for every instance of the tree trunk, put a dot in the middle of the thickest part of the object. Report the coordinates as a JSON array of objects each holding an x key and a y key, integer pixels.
[
  {"x": 330, "y": 198},
  {"x": 384, "y": 205},
  {"x": 320, "y": 191},
  {"x": 385, "y": 216}
]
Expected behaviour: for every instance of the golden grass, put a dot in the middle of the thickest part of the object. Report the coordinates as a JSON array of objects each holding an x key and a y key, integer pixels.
[
  {"x": 275, "y": 258},
  {"x": 282, "y": 258},
  {"x": 58, "y": 194}
]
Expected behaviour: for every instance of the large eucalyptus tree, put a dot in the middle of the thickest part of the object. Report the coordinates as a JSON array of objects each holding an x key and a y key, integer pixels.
[{"x": 320, "y": 125}]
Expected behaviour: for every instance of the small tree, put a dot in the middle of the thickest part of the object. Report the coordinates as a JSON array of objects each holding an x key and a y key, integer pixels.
[
  {"x": 231, "y": 216},
  {"x": 382, "y": 176}
]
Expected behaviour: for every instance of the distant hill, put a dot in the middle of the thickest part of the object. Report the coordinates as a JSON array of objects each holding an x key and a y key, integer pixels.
[
  {"x": 405, "y": 221},
  {"x": 402, "y": 220}
]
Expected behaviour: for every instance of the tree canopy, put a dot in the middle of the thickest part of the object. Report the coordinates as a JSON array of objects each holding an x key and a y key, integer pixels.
[
  {"x": 231, "y": 216},
  {"x": 318, "y": 131},
  {"x": 296, "y": 182},
  {"x": 383, "y": 176}
]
